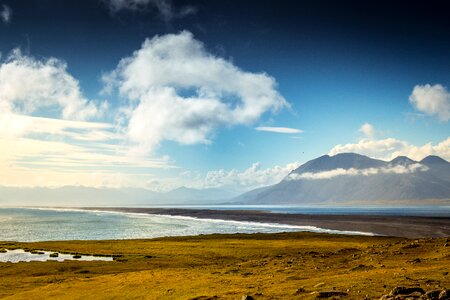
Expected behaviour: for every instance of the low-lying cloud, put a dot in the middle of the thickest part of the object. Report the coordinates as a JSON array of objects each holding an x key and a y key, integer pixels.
[{"x": 359, "y": 172}]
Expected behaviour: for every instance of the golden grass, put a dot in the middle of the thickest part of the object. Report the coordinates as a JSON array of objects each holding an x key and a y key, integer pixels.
[{"x": 265, "y": 266}]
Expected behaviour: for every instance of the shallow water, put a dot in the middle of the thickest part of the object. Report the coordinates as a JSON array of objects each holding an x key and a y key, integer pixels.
[
  {"x": 28, "y": 225},
  {"x": 19, "y": 255}
]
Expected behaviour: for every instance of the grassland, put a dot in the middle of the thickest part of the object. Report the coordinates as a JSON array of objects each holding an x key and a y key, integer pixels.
[{"x": 265, "y": 266}]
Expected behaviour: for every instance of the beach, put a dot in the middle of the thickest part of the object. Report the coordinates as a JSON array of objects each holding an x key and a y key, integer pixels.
[{"x": 387, "y": 225}]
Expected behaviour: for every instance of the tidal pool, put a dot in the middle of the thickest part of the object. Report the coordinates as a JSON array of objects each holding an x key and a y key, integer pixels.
[{"x": 20, "y": 255}]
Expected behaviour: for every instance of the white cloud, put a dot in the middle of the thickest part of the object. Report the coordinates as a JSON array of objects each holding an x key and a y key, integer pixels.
[
  {"x": 6, "y": 14},
  {"x": 390, "y": 148},
  {"x": 252, "y": 177},
  {"x": 27, "y": 85},
  {"x": 180, "y": 92},
  {"x": 165, "y": 8},
  {"x": 358, "y": 172},
  {"x": 39, "y": 151},
  {"x": 278, "y": 129},
  {"x": 433, "y": 100},
  {"x": 368, "y": 130}
]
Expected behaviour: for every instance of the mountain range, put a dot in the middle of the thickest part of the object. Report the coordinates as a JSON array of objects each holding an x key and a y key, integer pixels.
[
  {"x": 346, "y": 178},
  {"x": 354, "y": 178},
  {"x": 88, "y": 196}
]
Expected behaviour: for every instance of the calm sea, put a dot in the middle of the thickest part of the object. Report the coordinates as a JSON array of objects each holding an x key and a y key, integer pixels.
[{"x": 32, "y": 224}]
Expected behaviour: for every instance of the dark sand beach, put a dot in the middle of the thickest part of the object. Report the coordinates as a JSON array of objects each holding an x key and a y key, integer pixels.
[{"x": 400, "y": 226}]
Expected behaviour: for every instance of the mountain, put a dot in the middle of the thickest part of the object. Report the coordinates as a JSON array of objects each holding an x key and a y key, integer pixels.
[
  {"x": 350, "y": 177},
  {"x": 87, "y": 196}
]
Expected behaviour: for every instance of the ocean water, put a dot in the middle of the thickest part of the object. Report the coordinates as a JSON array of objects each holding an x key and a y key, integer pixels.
[
  {"x": 32, "y": 224},
  {"x": 423, "y": 211}
]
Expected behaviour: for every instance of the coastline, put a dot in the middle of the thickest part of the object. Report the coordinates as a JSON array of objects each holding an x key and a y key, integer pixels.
[{"x": 387, "y": 225}]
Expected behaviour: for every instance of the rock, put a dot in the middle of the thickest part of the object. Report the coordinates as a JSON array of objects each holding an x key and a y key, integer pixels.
[
  {"x": 328, "y": 294},
  {"x": 434, "y": 294},
  {"x": 444, "y": 295},
  {"x": 401, "y": 290},
  {"x": 415, "y": 261},
  {"x": 247, "y": 297},
  {"x": 55, "y": 254}
]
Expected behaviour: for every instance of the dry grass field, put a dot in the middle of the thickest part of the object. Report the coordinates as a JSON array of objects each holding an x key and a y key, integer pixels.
[{"x": 264, "y": 266}]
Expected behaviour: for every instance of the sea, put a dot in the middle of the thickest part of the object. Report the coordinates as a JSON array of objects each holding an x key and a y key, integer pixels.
[{"x": 26, "y": 224}]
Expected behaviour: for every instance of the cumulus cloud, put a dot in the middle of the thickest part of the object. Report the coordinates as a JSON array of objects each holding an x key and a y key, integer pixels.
[
  {"x": 6, "y": 14},
  {"x": 165, "y": 8},
  {"x": 359, "y": 172},
  {"x": 433, "y": 100},
  {"x": 278, "y": 129},
  {"x": 253, "y": 177},
  {"x": 180, "y": 92},
  {"x": 27, "y": 85},
  {"x": 390, "y": 148},
  {"x": 368, "y": 130}
]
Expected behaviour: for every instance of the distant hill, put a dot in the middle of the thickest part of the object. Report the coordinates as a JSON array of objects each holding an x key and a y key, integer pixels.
[
  {"x": 87, "y": 196},
  {"x": 350, "y": 177}
]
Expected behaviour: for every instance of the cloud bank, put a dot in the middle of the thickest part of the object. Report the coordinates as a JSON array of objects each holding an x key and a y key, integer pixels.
[
  {"x": 433, "y": 100},
  {"x": 390, "y": 148},
  {"x": 180, "y": 92},
  {"x": 359, "y": 172}
]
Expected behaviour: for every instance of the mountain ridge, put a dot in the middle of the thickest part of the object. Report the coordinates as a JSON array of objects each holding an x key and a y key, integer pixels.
[{"x": 350, "y": 177}]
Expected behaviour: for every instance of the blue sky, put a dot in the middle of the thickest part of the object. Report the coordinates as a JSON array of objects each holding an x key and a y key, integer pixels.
[{"x": 85, "y": 100}]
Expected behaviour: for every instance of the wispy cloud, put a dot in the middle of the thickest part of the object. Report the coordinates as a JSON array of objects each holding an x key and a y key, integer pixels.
[
  {"x": 53, "y": 152},
  {"x": 165, "y": 8},
  {"x": 358, "y": 172},
  {"x": 279, "y": 129},
  {"x": 6, "y": 14}
]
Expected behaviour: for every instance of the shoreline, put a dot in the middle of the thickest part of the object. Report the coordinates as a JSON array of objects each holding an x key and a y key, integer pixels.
[{"x": 387, "y": 225}]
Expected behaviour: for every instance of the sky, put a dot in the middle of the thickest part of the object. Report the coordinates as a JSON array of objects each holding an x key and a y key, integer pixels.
[{"x": 159, "y": 94}]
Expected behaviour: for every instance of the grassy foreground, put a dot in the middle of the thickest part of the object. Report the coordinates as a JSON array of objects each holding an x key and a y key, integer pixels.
[{"x": 265, "y": 266}]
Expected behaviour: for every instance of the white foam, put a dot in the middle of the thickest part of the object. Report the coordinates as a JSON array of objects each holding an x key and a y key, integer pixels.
[{"x": 277, "y": 227}]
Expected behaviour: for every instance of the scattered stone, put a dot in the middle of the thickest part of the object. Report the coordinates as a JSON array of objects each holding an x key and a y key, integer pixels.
[
  {"x": 401, "y": 290},
  {"x": 55, "y": 254},
  {"x": 411, "y": 293}
]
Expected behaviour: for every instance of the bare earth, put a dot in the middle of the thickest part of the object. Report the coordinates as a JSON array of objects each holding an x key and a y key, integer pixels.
[{"x": 400, "y": 226}]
